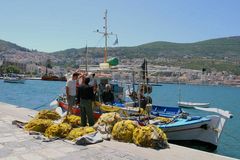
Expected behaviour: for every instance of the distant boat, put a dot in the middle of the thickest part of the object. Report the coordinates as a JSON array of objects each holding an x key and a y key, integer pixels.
[
  {"x": 192, "y": 104},
  {"x": 13, "y": 78},
  {"x": 53, "y": 78}
]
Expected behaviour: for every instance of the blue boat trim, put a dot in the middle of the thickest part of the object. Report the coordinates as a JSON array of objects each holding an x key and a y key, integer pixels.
[{"x": 184, "y": 122}]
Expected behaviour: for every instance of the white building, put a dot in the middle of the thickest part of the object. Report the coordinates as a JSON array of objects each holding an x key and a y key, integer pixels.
[{"x": 32, "y": 68}]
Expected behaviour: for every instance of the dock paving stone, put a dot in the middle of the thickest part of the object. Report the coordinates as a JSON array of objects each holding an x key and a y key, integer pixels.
[
  {"x": 8, "y": 139},
  {"x": 51, "y": 153},
  {"x": 32, "y": 156},
  {"x": 10, "y": 158},
  {"x": 67, "y": 149},
  {"x": 4, "y": 152},
  {"x": 20, "y": 150}
]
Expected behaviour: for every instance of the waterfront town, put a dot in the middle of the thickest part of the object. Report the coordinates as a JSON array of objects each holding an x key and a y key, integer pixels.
[{"x": 35, "y": 66}]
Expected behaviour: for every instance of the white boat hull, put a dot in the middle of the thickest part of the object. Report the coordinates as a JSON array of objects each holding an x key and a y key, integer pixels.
[
  {"x": 191, "y": 104},
  {"x": 208, "y": 132}
]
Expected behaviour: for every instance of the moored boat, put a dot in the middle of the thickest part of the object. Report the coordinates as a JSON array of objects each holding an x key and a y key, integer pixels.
[
  {"x": 204, "y": 131},
  {"x": 53, "y": 78},
  {"x": 192, "y": 104},
  {"x": 13, "y": 78}
]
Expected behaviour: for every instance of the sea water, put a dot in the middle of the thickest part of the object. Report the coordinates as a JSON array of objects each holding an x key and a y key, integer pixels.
[{"x": 37, "y": 94}]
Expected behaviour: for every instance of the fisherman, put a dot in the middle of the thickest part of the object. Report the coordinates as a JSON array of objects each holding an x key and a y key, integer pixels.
[
  {"x": 85, "y": 97},
  {"x": 71, "y": 91},
  {"x": 93, "y": 81},
  {"x": 107, "y": 95}
]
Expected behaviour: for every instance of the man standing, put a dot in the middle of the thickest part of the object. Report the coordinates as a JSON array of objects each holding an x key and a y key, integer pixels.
[
  {"x": 107, "y": 95},
  {"x": 71, "y": 91},
  {"x": 85, "y": 96}
]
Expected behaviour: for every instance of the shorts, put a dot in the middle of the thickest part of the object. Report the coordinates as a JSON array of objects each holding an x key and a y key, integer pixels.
[{"x": 71, "y": 100}]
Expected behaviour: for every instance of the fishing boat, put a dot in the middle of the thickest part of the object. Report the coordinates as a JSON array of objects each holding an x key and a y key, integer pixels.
[
  {"x": 184, "y": 128},
  {"x": 180, "y": 125},
  {"x": 192, "y": 104},
  {"x": 13, "y": 78},
  {"x": 53, "y": 78},
  {"x": 181, "y": 128}
]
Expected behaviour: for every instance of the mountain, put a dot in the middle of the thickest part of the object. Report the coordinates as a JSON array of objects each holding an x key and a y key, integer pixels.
[
  {"x": 221, "y": 54},
  {"x": 4, "y": 46},
  {"x": 214, "y": 48},
  {"x": 13, "y": 52}
]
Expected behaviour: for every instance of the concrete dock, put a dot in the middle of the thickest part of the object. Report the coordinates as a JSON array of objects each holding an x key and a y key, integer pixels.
[{"x": 16, "y": 144}]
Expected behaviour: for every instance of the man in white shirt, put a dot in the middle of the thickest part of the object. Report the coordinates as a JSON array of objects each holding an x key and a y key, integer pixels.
[{"x": 71, "y": 91}]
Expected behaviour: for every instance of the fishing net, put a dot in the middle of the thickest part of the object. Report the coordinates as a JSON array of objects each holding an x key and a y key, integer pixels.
[
  {"x": 150, "y": 136},
  {"x": 38, "y": 125},
  {"x": 79, "y": 132},
  {"x": 73, "y": 120},
  {"x": 123, "y": 130},
  {"x": 48, "y": 114},
  {"x": 107, "y": 108},
  {"x": 58, "y": 130},
  {"x": 163, "y": 119},
  {"x": 106, "y": 122}
]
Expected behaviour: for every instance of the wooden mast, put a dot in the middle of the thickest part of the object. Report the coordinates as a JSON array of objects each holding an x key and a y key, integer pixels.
[{"x": 105, "y": 34}]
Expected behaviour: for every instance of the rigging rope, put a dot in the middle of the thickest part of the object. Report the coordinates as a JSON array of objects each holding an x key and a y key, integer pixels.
[{"x": 45, "y": 104}]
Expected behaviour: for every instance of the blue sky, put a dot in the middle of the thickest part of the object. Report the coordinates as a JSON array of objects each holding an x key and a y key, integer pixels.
[{"x": 52, "y": 25}]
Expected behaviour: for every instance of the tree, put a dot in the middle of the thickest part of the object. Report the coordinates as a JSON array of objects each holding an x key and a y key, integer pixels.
[
  {"x": 49, "y": 63},
  {"x": 12, "y": 69}
]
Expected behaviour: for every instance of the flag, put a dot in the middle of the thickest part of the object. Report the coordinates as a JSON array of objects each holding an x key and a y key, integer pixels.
[{"x": 116, "y": 41}]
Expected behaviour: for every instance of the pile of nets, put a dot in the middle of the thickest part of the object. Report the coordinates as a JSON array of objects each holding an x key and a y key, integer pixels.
[
  {"x": 73, "y": 120},
  {"x": 42, "y": 121},
  {"x": 106, "y": 122},
  {"x": 48, "y": 114},
  {"x": 108, "y": 125},
  {"x": 79, "y": 132},
  {"x": 150, "y": 136},
  {"x": 58, "y": 130},
  {"x": 38, "y": 125},
  {"x": 123, "y": 130}
]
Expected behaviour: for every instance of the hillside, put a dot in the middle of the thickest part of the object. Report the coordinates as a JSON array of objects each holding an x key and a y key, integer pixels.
[
  {"x": 4, "y": 46},
  {"x": 222, "y": 54},
  {"x": 214, "y": 48},
  {"x": 13, "y": 52}
]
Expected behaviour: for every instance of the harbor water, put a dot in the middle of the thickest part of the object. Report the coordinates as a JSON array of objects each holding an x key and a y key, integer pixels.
[{"x": 37, "y": 94}]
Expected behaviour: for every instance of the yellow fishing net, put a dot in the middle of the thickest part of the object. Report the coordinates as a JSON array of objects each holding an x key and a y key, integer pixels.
[
  {"x": 163, "y": 119},
  {"x": 107, "y": 108},
  {"x": 79, "y": 132},
  {"x": 73, "y": 120},
  {"x": 38, "y": 125},
  {"x": 106, "y": 122},
  {"x": 58, "y": 130},
  {"x": 123, "y": 130},
  {"x": 48, "y": 114},
  {"x": 150, "y": 136}
]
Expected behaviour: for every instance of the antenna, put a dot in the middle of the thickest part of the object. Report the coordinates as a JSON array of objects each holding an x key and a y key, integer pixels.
[
  {"x": 86, "y": 56},
  {"x": 105, "y": 34}
]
